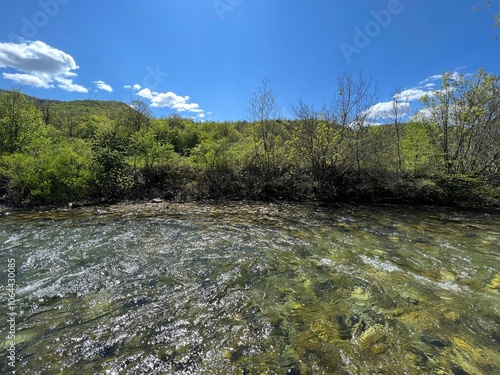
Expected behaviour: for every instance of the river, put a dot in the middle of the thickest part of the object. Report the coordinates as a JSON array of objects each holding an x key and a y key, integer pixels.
[{"x": 253, "y": 289}]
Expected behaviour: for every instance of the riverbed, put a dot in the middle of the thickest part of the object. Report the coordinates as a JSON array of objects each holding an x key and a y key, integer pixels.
[{"x": 253, "y": 289}]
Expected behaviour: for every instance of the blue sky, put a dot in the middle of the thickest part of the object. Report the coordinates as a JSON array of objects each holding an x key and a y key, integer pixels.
[{"x": 204, "y": 58}]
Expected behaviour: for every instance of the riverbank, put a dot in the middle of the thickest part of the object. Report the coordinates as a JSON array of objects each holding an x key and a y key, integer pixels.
[
  {"x": 158, "y": 206},
  {"x": 454, "y": 193}
]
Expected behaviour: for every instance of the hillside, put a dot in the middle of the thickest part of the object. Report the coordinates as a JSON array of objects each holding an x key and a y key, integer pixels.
[{"x": 77, "y": 109}]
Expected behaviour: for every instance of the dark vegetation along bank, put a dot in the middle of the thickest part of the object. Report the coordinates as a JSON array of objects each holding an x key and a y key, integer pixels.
[{"x": 56, "y": 152}]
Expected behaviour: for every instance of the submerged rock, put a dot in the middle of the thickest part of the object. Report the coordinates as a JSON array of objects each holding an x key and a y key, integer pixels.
[
  {"x": 432, "y": 338},
  {"x": 374, "y": 339},
  {"x": 495, "y": 282},
  {"x": 467, "y": 349},
  {"x": 350, "y": 326},
  {"x": 452, "y": 315}
]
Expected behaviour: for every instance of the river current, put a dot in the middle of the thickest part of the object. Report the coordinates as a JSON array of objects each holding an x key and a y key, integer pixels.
[{"x": 252, "y": 289}]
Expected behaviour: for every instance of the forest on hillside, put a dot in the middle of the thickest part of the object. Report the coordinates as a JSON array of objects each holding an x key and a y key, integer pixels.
[{"x": 447, "y": 153}]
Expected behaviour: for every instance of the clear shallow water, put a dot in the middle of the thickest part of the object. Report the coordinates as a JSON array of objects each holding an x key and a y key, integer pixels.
[{"x": 254, "y": 289}]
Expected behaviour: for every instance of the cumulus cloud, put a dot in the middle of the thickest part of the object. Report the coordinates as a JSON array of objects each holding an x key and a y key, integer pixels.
[
  {"x": 170, "y": 100},
  {"x": 411, "y": 94},
  {"x": 101, "y": 85},
  {"x": 39, "y": 65},
  {"x": 384, "y": 110},
  {"x": 68, "y": 85},
  {"x": 29, "y": 80},
  {"x": 137, "y": 87},
  {"x": 429, "y": 86}
]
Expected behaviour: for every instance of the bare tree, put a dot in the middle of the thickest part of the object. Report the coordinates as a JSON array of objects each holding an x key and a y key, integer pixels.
[
  {"x": 140, "y": 116},
  {"x": 400, "y": 107},
  {"x": 306, "y": 137},
  {"x": 265, "y": 113},
  {"x": 464, "y": 120},
  {"x": 496, "y": 17},
  {"x": 350, "y": 109}
]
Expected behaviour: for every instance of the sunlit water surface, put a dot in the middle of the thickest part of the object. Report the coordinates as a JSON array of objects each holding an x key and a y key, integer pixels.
[{"x": 254, "y": 289}]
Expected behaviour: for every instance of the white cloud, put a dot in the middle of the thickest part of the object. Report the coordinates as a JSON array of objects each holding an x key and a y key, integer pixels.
[
  {"x": 423, "y": 114},
  {"x": 145, "y": 93},
  {"x": 40, "y": 65},
  {"x": 127, "y": 87},
  {"x": 384, "y": 110},
  {"x": 137, "y": 87},
  {"x": 170, "y": 100},
  {"x": 201, "y": 115},
  {"x": 101, "y": 85},
  {"x": 411, "y": 94},
  {"x": 436, "y": 77},
  {"x": 68, "y": 85},
  {"x": 29, "y": 80}
]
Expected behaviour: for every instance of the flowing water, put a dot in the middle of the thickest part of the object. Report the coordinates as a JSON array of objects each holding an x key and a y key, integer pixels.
[{"x": 253, "y": 289}]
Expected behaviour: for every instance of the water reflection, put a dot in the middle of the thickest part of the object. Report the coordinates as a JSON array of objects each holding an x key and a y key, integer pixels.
[{"x": 255, "y": 289}]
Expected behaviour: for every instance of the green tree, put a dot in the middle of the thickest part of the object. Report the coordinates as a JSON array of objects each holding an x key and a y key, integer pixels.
[
  {"x": 419, "y": 154},
  {"x": 61, "y": 170},
  {"x": 148, "y": 146},
  {"x": 21, "y": 122},
  {"x": 109, "y": 155}
]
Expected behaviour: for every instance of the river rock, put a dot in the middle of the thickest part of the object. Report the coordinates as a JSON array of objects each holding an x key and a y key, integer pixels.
[
  {"x": 432, "y": 338},
  {"x": 466, "y": 349},
  {"x": 495, "y": 282},
  {"x": 452, "y": 315},
  {"x": 373, "y": 339}
]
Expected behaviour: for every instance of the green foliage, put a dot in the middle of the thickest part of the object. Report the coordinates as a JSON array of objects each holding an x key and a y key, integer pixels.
[
  {"x": 21, "y": 123},
  {"x": 418, "y": 151},
  {"x": 220, "y": 147},
  {"x": 56, "y": 174},
  {"x": 108, "y": 150},
  {"x": 467, "y": 190},
  {"x": 147, "y": 148},
  {"x": 184, "y": 135}
]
